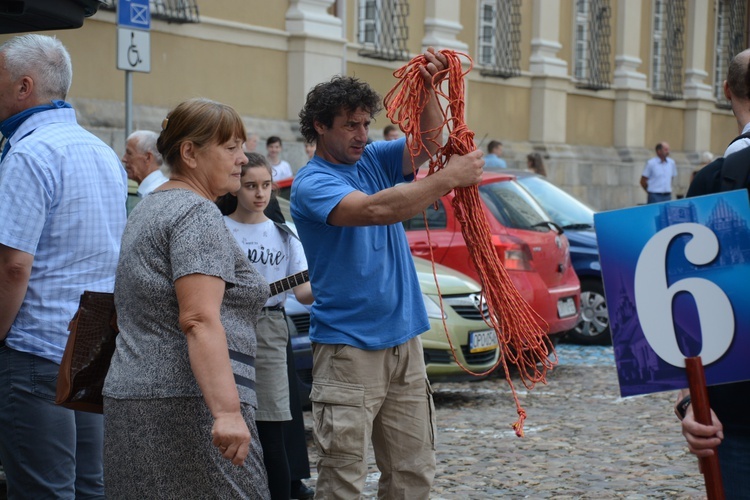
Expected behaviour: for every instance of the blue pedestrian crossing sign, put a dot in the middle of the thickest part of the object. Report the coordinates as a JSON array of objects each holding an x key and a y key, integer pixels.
[{"x": 134, "y": 14}]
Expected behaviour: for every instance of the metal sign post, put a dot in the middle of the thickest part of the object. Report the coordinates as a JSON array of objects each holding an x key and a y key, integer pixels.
[{"x": 133, "y": 47}]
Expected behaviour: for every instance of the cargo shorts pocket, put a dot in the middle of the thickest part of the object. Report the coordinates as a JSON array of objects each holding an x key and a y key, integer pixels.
[{"x": 340, "y": 423}]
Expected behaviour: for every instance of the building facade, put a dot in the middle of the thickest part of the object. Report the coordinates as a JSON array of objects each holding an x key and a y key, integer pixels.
[{"x": 592, "y": 85}]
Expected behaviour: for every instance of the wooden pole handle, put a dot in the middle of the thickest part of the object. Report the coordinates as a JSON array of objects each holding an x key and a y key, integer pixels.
[{"x": 702, "y": 412}]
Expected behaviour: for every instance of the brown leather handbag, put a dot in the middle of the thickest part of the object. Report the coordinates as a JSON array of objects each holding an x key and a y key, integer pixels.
[{"x": 88, "y": 353}]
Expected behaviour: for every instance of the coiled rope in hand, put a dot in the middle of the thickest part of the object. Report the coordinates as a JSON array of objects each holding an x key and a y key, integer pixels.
[{"x": 521, "y": 332}]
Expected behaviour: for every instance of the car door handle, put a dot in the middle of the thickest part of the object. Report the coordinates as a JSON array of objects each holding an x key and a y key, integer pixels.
[{"x": 422, "y": 248}]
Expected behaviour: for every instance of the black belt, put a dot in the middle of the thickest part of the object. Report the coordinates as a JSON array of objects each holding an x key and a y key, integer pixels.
[
  {"x": 277, "y": 307},
  {"x": 660, "y": 194}
]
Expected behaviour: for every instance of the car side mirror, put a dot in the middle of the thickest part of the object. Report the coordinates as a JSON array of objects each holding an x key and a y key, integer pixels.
[{"x": 17, "y": 16}]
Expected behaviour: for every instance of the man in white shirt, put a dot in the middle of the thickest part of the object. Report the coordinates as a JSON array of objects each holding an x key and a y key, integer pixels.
[
  {"x": 251, "y": 143},
  {"x": 143, "y": 161},
  {"x": 658, "y": 174}
]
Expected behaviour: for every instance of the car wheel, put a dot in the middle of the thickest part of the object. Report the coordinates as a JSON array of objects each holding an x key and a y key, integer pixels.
[{"x": 593, "y": 326}]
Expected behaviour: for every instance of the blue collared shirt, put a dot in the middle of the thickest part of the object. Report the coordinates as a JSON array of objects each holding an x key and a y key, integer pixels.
[{"x": 62, "y": 200}]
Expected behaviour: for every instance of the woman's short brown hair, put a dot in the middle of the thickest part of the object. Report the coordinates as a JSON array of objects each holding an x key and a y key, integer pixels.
[{"x": 201, "y": 121}]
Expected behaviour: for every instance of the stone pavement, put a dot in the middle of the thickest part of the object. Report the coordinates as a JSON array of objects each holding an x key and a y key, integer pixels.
[{"x": 582, "y": 440}]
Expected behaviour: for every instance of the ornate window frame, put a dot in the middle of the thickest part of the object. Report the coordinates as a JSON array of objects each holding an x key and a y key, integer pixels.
[
  {"x": 730, "y": 33},
  {"x": 499, "y": 38},
  {"x": 592, "y": 49},
  {"x": 382, "y": 30},
  {"x": 667, "y": 49}
]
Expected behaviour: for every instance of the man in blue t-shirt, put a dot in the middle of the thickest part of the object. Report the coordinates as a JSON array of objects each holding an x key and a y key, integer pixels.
[{"x": 368, "y": 367}]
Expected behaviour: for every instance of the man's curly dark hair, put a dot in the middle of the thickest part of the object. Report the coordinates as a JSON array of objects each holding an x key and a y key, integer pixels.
[{"x": 328, "y": 99}]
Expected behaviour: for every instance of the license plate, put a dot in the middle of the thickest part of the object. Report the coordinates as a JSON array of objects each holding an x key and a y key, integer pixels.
[
  {"x": 482, "y": 341},
  {"x": 566, "y": 307}
]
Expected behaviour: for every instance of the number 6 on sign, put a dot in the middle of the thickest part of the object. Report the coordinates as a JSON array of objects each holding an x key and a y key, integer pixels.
[{"x": 653, "y": 298}]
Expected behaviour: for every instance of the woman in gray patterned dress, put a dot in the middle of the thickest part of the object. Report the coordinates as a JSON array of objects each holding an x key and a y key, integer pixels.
[{"x": 180, "y": 398}]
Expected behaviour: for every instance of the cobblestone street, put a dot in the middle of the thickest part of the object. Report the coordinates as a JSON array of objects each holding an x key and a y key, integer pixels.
[{"x": 582, "y": 440}]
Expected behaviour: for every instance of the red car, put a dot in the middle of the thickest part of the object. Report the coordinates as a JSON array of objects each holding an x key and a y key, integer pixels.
[
  {"x": 284, "y": 187},
  {"x": 532, "y": 248}
]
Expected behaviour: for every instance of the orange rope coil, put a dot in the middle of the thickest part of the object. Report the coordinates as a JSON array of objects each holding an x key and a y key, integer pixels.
[{"x": 521, "y": 332}]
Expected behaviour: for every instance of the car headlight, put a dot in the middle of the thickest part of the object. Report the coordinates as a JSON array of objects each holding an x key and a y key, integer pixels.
[{"x": 432, "y": 307}]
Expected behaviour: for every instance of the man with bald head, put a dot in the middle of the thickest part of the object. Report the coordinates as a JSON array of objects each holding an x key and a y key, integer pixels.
[
  {"x": 729, "y": 432},
  {"x": 143, "y": 161},
  {"x": 737, "y": 92},
  {"x": 657, "y": 175}
]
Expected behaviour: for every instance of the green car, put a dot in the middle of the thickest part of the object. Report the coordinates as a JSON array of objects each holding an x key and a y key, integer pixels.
[{"x": 474, "y": 342}]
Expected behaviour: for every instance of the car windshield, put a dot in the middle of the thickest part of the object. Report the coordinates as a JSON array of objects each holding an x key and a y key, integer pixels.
[
  {"x": 565, "y": 210},
  {"x": 513, "y": 206}
]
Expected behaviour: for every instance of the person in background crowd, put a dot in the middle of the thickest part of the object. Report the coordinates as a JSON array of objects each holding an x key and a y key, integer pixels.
[
  {"x": 492, "y": 160},
  {"x": 309, "y": 150},
  {"x": 658, "y": 174},
  {"x": 276, "y": 254},
  {"x": 706, "y": 158},
  {"x": 535, "y": 163},
  {"x": 390, "y": 133},
  {"x": 736, "y": 91},
  {"x": 281, "y": 169},
  {"x": 251, "y": 143},
  {"x": 143, "y": 162},
  {"x": 730, "y": 406},
  {"x": 369, "y": 380},
  {"x": 179, "y": 397},
  {"x": 62, "y": 200}
]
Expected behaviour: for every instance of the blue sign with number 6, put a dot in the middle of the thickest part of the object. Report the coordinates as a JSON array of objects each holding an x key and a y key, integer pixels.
[{"x": 676, "y": 278}]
